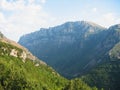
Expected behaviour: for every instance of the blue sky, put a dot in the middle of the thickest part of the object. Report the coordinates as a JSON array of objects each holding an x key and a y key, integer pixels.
[{"x": 18, "y": 17}]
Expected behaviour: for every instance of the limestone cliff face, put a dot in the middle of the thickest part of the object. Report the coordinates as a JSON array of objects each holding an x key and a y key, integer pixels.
[
  {"x": 69, "y": 32},
  {"x": 73, "y": 48},
  {"x": 69, "y": 47}
]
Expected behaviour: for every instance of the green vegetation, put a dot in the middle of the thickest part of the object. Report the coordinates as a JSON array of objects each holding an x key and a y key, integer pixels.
[
  {"x": 78, "y": 84},
  {"x": 106, "y": 76},
  {"x": 18, "y": 75},
  {"x": 5, "y": 49},
  {"x": 115, "y": 52}
]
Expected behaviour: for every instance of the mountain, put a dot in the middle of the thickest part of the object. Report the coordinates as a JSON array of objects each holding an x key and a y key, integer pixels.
[
  {"x": 71, "y": 48},
  {"x": 107, "y": 75},
  {"x": 95, "y": 59},
  {"x": 20, "y": 70}
]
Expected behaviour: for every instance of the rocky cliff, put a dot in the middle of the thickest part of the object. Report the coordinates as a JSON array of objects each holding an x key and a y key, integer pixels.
[{"x": 72, "y": 48}]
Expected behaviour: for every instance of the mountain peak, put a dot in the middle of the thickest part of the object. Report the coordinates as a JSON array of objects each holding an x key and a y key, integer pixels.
[{"x": 88, "y": 23}]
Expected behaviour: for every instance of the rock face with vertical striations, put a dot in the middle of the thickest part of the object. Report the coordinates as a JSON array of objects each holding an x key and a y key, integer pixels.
[{"x": 72, "y": 48}]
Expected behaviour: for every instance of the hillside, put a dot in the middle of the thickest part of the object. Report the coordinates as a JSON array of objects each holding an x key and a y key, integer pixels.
[
  {"x": 20, "y": 70},
  {"x": 106, "y": 76}
]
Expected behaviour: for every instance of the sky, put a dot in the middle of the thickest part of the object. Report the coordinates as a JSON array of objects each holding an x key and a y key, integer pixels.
[{"x": 19, "y": 17}]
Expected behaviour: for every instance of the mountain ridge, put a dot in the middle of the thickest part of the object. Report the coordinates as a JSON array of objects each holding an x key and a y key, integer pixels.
[{"x": 70, "y": 36}]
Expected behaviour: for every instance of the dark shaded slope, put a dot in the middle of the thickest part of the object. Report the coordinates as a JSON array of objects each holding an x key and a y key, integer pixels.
[{"x": 107, "y": 75}]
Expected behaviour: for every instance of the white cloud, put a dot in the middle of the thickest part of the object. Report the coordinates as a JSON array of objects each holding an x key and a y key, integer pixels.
[
  {"x": 43, "y": 1},
  {"x": 18, "y": 17},
  {"x": 22, "y": 17},
  {"x": 31, "y": 1},
  {"x": 110, "y": 19},
  {"x": 2, "y": 18},
  {"x": 12, "y": 5},
  {"x": 107, "y": 19},
  {"x": 94, "y": 9}
]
